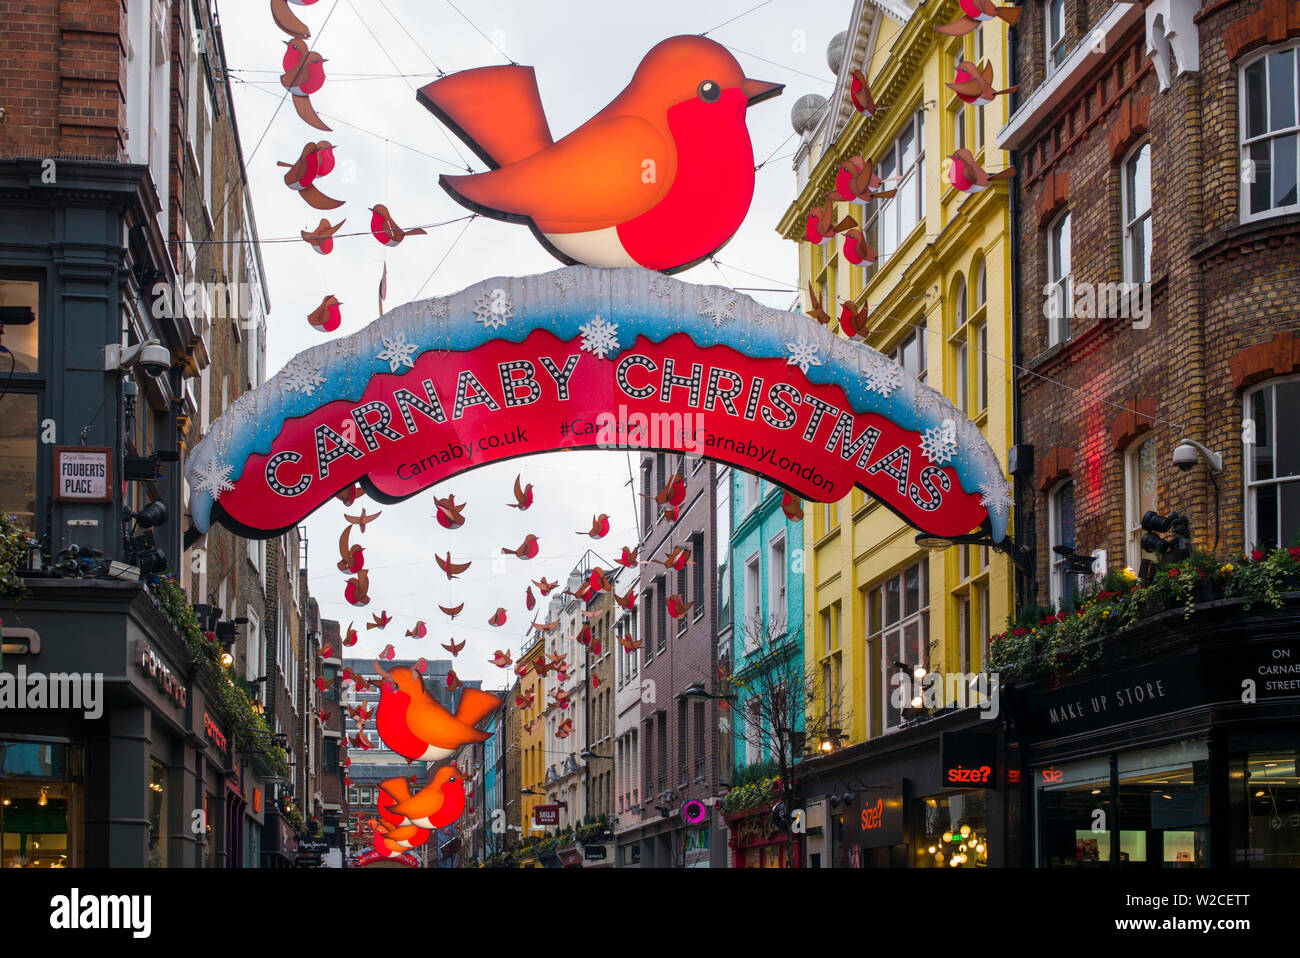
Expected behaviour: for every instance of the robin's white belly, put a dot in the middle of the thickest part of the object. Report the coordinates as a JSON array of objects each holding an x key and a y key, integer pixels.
[{"x": 593, "y": 248}]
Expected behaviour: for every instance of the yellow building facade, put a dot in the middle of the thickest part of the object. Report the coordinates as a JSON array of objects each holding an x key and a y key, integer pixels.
[
  {"x": 532, "y": 735},
  {"x": 939, "y": 303}
]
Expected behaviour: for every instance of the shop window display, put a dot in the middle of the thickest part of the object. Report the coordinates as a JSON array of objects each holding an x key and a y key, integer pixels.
[
  {"x": 1155, "y": 801},
  {"x": 1265, "y": 808},
  {"x": 1068, "y": 799},
  {"x": 951, "y": 831},
  {"x": 1164, "y": 806},
  {"x": 40, "y": 805},
  {"x": 157, "y": 816}
]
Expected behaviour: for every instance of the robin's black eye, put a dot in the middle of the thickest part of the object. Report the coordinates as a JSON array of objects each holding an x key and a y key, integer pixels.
[
  {"x": 709, "y": 91},
  {"x": 452, "y": 779}
]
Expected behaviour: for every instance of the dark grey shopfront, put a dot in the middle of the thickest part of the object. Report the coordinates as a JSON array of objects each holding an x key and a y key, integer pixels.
[
  {"x": 148, "y": 782},
  {"x": 1177, "y": 750}
]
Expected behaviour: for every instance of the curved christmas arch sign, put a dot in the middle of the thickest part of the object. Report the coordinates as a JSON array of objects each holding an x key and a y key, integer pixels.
[{"x": 581, "y": 358}]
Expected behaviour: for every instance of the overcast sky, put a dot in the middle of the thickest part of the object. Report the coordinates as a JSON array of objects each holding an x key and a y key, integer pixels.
[{"x": 391, "y": 150}]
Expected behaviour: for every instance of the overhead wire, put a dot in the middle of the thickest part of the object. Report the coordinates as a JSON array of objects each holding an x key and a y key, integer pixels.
[
  {"x": 384, "y": 50},
  {"x": 299, "y": 239},
  {"x": 482, "y": 34},
  {"x": 251, "y": 84},
  {"x": 757, "y": 6}
]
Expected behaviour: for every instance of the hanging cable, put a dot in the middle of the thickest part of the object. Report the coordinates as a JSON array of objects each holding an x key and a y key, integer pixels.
[
  {"x": 361, "y": 129},
  {"x": 270, "y": 122},
  {"x": 418, "y": 45},
  {"x": 482, "y": 34},
  {"x": 782, "y": 66},
  {"x": 437, "y": 265},
  {"x": 299, "y": 239},
  {"x": 388, "y": 56},
  {"x": 736, "y": 17}
]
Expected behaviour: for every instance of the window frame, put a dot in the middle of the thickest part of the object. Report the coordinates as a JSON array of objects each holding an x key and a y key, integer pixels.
[
  {"x": 1243, "y": 141},
  {"x": 896, "y": 632},
  {"x": 1058, "y": 279},
  {"x": 1051, "y": 51},
  {"x": 1250, "y": 484},
  {"x": 1127, "y": 224},
  {"x": 1056, "y": 574},
  {"x": 1133, "y": 510},
  {"x": 892, "y": 206}
]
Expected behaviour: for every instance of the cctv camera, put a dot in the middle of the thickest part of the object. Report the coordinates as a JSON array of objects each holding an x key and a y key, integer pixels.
[
  {"x": 1187, "y": 452},
  {"x": 153, "y": 358}
]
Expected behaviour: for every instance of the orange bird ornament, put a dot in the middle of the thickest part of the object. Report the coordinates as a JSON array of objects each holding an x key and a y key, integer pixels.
[
  {"x": 660, "y": 178},
  {"x": 417, "y": 727},
  {"x": 523, "y": 496}
]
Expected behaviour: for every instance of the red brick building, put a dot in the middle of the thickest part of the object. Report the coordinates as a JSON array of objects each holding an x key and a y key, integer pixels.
[
  {"x": 1168, "y": 171},
  {"x": 1156, "y": 218}
]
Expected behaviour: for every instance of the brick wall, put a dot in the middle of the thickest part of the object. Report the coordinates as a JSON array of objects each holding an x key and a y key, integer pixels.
[
  {"x": 63, "y": 73},
  {"x": 1218, "y": 287}
]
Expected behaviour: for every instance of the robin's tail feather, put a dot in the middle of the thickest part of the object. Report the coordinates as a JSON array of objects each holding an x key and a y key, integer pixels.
[
  {"x": 497, "y": 111},
  {"x": 476, "y": 705}
]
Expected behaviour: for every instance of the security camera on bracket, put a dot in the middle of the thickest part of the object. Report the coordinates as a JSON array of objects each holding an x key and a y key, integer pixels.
[
  {"x": 1188, "y": 451},
  {"x": 153, "y": 358}
]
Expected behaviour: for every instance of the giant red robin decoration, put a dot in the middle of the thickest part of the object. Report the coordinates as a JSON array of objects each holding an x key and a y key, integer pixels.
[{"x": 661, "y": 177}]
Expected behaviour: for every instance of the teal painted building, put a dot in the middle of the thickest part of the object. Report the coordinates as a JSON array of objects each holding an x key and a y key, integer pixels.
[{"x": 765, "y": 567}]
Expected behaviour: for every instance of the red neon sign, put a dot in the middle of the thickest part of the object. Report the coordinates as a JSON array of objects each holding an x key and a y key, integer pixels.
[
  {"x": 960, "y": 774},
  {"x": 873, "y": 816}
]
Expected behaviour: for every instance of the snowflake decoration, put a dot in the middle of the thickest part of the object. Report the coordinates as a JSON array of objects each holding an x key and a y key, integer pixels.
[
  {"x": 564, "y": 282},
  {"x": 214, "y": 477},
  {"x": 996, "y": 497},
  {"x": 661, "y": 286},
  {"x": 718, "y": 306},
  {"x": 301, "y": 376},
  {"x": 803, "y": 354},
  {"x": 925, "y": 400},
  {"x": 494, "y": 308},
  {"x": 347, "y": 347},
  {"x": 939, "y": 444},
  {"x": 599, "y": 337},
  {"x": 397, "y": 352},
  {"x": 768, "y": 317},
  {"x": 884, "y": 377},
  {"x": 438, "y": 308}
]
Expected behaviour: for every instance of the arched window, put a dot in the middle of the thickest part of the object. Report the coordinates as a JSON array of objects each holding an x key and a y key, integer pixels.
[
  {"x": 960, "y": 348},
  {"x": 1272, "y": 466},
  {"x": 1139, "y": 495},
  {"x": 1137, "y": 215},
  {"x": 980, "y": 336}
]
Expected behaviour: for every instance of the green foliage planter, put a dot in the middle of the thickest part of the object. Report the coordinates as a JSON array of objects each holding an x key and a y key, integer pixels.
[
  {"x": 13, "y": 556},
  {"x": 234, "y": 705},
  {"x": 1067, "y": 641},
  {"x": 761, "y": 793}
]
